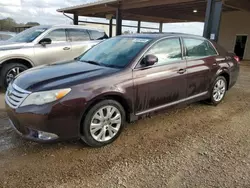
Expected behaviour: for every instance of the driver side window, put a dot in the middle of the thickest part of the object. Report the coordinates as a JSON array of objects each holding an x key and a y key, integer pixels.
[
  {"x": 57, "y": 35},
  {"x": 167, "y": 51}
]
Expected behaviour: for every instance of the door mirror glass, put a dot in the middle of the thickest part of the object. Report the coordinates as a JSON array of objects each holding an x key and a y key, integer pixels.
[
  {"x": 149, "y": 60},
  {"x": 45, "y": 41}
]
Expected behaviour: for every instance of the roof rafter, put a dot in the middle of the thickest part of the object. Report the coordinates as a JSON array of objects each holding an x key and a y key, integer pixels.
[{"x": 243, "y": 5}]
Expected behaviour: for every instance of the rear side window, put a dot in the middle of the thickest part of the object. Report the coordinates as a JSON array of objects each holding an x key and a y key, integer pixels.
[
  {"x": 211, "y": 49},
  {"x": 57, "y": 35},
  {"x": 78, "y": 35},
  {"x": 196, "y": 48},
  {"x": 97, "y": 35}
]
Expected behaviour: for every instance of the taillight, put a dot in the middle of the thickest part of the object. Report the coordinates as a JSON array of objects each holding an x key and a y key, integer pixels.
[{"x": 237, "y": 59}]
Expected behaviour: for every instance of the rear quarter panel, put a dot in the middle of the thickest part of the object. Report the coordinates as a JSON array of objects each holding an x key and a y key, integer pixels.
[{"x": 226, "y": 64}]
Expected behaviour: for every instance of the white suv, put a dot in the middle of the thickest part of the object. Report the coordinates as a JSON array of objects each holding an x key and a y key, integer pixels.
[{"x": 44, "y": 45}]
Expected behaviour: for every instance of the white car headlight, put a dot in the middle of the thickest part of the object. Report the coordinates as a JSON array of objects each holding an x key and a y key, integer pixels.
[{"x": 44, "y": 97}]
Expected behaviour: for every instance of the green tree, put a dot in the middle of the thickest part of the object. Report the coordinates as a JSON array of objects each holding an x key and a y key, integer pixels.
[{"x": 7, "y": 24}]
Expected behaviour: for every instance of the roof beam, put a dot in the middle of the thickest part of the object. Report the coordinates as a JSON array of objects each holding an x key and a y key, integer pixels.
[
  {"x": 243, "y": 5},
  {"x": 169, "y": 14},
  {"x": 136, "y": 17},
  {"x": 92, "y": 11},
  {"x": 95, "y": 4},
  {"x": 131, "y": 4}
]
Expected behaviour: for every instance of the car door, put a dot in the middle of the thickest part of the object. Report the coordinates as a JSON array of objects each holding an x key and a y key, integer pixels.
[
  {"x": 80, "y": 41},
  {"x": 201, "y": 64},
  {"x": 163, "y": 83},
  {"x": 58, "y": 50}
]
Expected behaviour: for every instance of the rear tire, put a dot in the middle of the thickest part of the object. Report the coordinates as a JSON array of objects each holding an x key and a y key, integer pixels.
[
  {"x": 9, "y": 71},
  {"x": 103, "y": 123},
  {"x": 218, "y": 91}
]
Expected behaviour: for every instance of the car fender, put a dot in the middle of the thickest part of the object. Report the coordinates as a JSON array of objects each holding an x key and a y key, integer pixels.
[
  {"x": 222, "y": 70},
  {"x": 112, "y": 94},
  {"x": 104, "y": 95},
  {"x": 17, "y": 57}
]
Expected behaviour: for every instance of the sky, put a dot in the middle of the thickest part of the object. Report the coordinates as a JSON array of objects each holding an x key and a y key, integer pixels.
[{"x": 44, "y": 12}]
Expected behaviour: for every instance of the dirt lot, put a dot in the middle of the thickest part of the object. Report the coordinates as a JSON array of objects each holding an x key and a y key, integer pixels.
[{"x": 194, "y": 146}]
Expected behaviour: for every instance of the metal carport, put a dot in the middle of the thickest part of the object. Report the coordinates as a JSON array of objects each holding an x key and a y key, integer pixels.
[{"x": 161, "y": 11}]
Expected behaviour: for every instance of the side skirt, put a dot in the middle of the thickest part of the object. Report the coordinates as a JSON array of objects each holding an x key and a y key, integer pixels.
[{"x": 193, "y": 98}]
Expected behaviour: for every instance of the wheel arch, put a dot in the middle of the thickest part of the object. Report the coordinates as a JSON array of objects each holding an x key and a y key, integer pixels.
[
  {"x": 227, "y": 77},
  {"x": 119, "y": 97},
  {"x": 225, "y": 73},
  {"x": 21, "y": 60}
]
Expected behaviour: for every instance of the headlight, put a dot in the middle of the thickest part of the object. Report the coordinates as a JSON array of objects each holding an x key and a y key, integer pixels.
[{"x": 44, "y": 97}]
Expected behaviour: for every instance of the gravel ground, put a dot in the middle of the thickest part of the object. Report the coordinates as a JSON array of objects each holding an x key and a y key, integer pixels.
[{"x": 192, "y": 146}]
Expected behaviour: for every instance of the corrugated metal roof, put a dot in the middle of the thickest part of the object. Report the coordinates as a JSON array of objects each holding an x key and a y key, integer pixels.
[{"x": 87, "y": 5}]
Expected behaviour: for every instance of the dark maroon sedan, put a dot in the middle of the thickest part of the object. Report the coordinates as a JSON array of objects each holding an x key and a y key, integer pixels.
[{"x": 116, "y": 81}]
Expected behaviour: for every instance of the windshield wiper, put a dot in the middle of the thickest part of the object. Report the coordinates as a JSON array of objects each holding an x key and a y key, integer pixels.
[
  {"x": 92, "y": 62},
  {"x": 100, "y": 64}
]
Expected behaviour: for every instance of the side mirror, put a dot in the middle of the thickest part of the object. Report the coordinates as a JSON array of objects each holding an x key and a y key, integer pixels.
[
  {"x": 76, "y": 58},
  {"x": 149, "y": 60},
  {"x": 45, "y": 41}
]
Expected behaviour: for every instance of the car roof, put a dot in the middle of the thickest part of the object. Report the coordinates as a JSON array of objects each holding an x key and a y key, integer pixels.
[
  {"x": 161, "y": 35},
  {"x": 70, "y": 26}
]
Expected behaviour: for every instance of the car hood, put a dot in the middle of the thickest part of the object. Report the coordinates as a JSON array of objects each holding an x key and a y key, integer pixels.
[
  {"x": 6, "y": 45},
  {"x": 60, "y": 75}
]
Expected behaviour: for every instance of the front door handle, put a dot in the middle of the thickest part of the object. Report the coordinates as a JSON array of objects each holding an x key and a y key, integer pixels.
[
  {"x": 181, "y": 71},
  {"x": 66, "y": 48}
]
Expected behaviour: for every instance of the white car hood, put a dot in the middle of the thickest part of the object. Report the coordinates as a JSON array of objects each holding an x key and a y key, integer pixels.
[{"x": 6, "y": 45}]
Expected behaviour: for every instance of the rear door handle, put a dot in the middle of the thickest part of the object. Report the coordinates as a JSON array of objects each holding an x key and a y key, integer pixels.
[
  {"x": 66, "y": 48},
  {"x": 181, "y": 71}
]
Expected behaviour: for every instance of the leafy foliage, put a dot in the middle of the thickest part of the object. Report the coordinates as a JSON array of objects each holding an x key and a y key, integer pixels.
[{"x": 9, "y": 24}]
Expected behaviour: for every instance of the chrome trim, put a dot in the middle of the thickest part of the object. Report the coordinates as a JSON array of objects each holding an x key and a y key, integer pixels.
[
  {"x": 171, "y": 104},
  {"x": 214, "y": 47},
  {"x": 20, "y": 89},
  {"x": 181, "y": 37},
  {"x": 15, "y": 96}
]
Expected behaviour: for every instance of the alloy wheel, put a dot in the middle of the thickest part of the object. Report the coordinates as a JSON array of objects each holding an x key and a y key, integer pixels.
[
  {"x": 219, "y": 90},
  {"x": 106, "y": 123},
  {"x": 12, "y": 73}
]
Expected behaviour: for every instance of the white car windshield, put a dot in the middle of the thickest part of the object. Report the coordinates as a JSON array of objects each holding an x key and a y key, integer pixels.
[{"x": 28, "y": 35}]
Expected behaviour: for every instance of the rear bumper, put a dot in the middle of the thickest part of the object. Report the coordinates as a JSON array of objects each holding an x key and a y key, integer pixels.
[{"x": 47, "y": 123}]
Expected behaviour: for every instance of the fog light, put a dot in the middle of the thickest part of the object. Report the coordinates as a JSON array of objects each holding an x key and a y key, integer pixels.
[{"x": 46, "y": 136}]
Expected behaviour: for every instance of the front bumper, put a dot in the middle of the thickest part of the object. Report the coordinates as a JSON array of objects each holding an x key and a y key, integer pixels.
[
  {"x": 34, "y": 135},
  {"x": 46, "y": 123}
]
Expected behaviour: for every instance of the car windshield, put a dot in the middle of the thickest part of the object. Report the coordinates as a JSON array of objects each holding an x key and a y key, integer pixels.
[
  {"x": 115, "y": 52},
  {"x": 28, "y": 35}
]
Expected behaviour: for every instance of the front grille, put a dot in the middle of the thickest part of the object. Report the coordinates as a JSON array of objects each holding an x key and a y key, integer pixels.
[{"x": 15, "y": 96}]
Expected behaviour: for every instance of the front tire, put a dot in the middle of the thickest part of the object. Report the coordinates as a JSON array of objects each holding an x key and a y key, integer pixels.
[
  {"x": 103, "y": 123},
  {"x": 9, "y": 71},
  {"x": 218, "y": 90}
]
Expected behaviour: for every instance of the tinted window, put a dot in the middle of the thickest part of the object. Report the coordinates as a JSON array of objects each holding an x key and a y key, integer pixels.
[
  {"x": 57, "y": 35},
  {"x": 78, "y": 35},
  {"x": 97, "y": 35},
  {"x": 198, "y": 48},
  {"x": 167, "y": 51},
  {"x": 115, "y": 52},
  {"x": 210, "y": 49}
]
